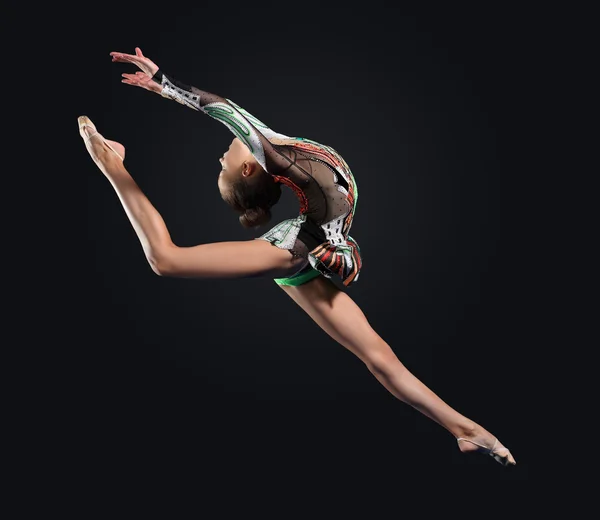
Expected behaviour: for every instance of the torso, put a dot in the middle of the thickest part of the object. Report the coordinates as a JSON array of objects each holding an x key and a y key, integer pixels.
[{"x": 321, "y": 175}]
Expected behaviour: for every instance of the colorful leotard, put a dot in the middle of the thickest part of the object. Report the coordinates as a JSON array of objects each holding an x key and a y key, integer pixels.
[{"x": 318, "y": 175}]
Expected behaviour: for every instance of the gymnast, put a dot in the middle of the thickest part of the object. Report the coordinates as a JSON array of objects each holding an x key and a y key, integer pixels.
[{"x": 303, "y": 254}]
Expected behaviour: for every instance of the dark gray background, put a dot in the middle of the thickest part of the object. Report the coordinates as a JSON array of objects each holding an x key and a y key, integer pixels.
[{"x": 229, "y": 379}]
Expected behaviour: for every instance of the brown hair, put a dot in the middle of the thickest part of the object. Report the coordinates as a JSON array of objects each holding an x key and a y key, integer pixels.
[{"x": 254, "y": 200}]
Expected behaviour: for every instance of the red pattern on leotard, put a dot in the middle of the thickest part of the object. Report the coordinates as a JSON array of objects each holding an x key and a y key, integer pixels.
[{"x": 299, "y": 193}]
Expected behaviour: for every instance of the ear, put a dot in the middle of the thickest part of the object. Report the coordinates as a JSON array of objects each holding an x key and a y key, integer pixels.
[
  {"x": 248, "y": 168},
  {"x": 245, "y": 169}
]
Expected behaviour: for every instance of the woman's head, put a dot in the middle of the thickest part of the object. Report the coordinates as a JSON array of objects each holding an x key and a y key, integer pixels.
[{"x": 246, "y": 186}]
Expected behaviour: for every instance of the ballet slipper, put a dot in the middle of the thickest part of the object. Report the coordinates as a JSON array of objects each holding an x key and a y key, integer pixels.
[
  {"x": 84, "y": 121},
  {"x": 503, "y": 458}
]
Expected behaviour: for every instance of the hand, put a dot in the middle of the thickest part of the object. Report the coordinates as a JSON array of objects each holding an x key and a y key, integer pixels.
[
  {"x": 140, "y": 79},
  {"x": 145, "y": 64}
]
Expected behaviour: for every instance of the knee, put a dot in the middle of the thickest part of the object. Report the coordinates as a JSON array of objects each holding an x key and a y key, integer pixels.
[{"x": 382, "y": 363}]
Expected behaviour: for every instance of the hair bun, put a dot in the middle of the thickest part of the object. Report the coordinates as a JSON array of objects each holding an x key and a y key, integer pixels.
[{"x": 256, "y": 216}]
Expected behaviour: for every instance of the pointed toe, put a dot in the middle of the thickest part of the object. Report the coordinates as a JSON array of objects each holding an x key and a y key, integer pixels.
[{"x": 85, "y": 121}]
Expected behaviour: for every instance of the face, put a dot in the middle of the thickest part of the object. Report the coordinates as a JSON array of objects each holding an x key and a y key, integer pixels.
[{"x": 235, "y": 163}]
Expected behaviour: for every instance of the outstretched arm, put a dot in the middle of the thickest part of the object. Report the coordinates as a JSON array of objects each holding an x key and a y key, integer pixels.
[{"x": 249, "y": 129}]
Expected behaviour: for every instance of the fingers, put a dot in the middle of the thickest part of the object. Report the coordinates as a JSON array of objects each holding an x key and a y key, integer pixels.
[
  {"x": 139, "y": 79},
  {"x": 138, "y": 76},
  {"x": 125, "y": 58},
  {"x": 119, "y": 56},
  {"x": 130, "y": 79}
]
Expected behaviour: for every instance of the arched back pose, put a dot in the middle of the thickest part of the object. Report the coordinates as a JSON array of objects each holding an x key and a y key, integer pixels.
[{"x": 309, "y": 249}]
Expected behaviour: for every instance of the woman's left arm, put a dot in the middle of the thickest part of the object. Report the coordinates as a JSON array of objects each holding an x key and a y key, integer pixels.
[
  {"x": 233, "y": 259},
  {"x": 246, "y": 127}
]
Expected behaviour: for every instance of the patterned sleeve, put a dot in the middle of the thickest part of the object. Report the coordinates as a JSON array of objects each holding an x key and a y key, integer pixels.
[{"x": 250, "y": 130}]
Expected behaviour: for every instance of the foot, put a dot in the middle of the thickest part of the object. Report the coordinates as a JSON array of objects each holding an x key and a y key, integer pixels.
[
  {"x": 102, "y": 150},
  {"x": 483, "y": 441}
]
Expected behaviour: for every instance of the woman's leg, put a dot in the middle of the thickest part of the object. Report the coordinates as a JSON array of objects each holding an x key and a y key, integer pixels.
[{"x": 337, "y": 314}]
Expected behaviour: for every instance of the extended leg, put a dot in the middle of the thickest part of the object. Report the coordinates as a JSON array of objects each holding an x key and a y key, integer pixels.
[
  {"x": 225, "y": 259},
  {"x": 338, "y": 315}
]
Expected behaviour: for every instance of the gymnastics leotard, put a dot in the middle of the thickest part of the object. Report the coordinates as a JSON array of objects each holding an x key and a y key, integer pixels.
[{"x": 317, "y": 174}]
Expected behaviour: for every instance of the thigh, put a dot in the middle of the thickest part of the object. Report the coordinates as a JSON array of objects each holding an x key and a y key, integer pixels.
[
  {"x": 301, "y": 277},
  {"x": 299, "y": 236},
  {"x": 337, "y": 314}
]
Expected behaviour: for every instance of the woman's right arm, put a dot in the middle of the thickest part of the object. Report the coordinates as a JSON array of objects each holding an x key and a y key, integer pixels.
[{"x": 250, "y": 130}]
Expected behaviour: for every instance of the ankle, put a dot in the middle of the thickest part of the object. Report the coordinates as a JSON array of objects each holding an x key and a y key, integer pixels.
[{"x": 466, "y": 429}]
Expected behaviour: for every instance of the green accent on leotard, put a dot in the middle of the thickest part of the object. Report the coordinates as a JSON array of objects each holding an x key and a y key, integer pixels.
[
  {"x": 298, "y": 279},
  {"x": 253, "y": 119},
  {"x": 228, "y": 117}
]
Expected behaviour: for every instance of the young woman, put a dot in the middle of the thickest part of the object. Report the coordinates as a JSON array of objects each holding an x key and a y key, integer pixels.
[{"x": 309, "y": 249}]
